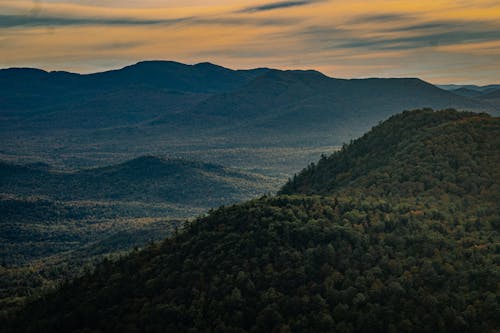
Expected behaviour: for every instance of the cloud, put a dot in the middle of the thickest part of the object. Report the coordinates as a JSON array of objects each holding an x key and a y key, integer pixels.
[
  {"x": 418, "y": 41},
  {"x": 9, "y": 21},
  {"x": 278, "y": 5},
  {"x": 118, "y": 45},
  {"x": 242, "y": 21},
  {"x": 379, "y": 18},
  {"x": 393, "y": 32}
]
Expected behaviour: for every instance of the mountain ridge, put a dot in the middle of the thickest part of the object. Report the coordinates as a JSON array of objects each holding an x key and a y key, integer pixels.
[{"x": 171, "y": 108}]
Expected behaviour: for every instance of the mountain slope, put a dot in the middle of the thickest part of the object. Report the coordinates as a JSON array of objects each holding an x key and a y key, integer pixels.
[
  {"x": 278, "y": 102},
  {"x": 420, "y": 152},
  {"x": 380, "y": 261},
  {"x": 41, "y": 100},
  {"x": 54, "y": 223}
]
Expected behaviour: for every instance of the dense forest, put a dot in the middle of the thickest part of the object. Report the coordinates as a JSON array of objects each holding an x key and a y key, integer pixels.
[
  {"x": 148, "y": 179},
  {"x": 397, "y": 232},
  {"x": 413, "y": 154},
  {"x": 54, "y": 223}
]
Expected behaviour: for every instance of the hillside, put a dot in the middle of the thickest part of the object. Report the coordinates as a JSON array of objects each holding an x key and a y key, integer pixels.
[
  {"x": 413, "y": 153},
  {"x": 199, "y": 112},
  {"x": 48, "y": 101},
  {"x": 493, "y": 97},
  {"x": 310, "y": 104},
  {"x": 397, "y": 243},
  {"x": 54, "y": 223},
  {"x": 46, "y": 212}
]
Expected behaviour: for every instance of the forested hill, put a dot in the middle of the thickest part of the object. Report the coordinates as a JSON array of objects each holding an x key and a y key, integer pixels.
[
  {"x": 421, "y": 257},
  {"x": 145, "y": 179},
  {"x": 411, "y": 154},
  {"x": 167, "y": 75}
]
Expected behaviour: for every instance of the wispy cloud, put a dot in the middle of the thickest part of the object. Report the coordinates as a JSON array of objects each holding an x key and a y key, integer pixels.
[
  {"x": 380, "y": 18},
  {"x": 9, "y": 21},
  {"x": 278, "y": 5},
  {"x": 419, "y": 40}
]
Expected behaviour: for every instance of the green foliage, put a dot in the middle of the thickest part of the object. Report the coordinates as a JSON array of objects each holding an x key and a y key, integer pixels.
[
  {"x": 444, "y": 153},
  {"x": 53, "y": 223},
  {"x": 375, "y": 253},
  {"x": 44, "y": 242},
  {"x": 302, "y": 264}
]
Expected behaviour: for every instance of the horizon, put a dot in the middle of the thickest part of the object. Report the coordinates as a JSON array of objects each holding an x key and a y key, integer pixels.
[{"x": 445, "y": 42}]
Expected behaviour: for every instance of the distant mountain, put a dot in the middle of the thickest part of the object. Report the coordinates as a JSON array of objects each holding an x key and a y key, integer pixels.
[
  {"x": 465, "y": 92},
  {"x": 161, "y": 107},
  {"x": 402, "y": 239},
  {"x": 59, "y": 100},
  {"x": 279, "y": 103},
  {"x": 168, "y": 75},
  {"x": 487, "y": 88}
]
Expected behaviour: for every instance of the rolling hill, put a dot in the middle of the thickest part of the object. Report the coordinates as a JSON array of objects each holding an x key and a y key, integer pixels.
[
  {"x": 53, "y": 208},
  {"x": 144, "y": 179},
  {"x": 402, "y": 239}
]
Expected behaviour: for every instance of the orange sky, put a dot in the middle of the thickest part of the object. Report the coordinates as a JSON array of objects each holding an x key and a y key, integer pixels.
[{"x": 440, "y": 41}]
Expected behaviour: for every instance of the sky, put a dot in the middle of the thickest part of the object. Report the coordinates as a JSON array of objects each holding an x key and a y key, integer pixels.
[{"x": 440, "y": 41}]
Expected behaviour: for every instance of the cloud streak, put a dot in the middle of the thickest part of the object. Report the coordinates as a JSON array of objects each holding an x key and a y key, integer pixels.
[
  {"x": 13, "y": 21},
  {"x": 278, "y": 5},
  {"x": 421, "y": 40},
  {"x": 10, "y": 21},
  {"x": 380, "y": 18}
]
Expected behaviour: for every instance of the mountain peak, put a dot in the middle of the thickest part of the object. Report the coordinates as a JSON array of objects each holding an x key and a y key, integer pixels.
[{"x": 209, "y": 65}]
